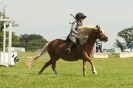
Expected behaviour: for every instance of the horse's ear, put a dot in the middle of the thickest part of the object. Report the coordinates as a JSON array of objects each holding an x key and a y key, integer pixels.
[{"x": 97, "y": 26}]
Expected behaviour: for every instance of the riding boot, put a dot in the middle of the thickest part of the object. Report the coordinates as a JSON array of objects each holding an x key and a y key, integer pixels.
[{"x": 68, "y": 49}]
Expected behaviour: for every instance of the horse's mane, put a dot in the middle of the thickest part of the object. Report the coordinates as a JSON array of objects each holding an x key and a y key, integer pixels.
[
  {"x": 85, "y": 30},
  {"x": 87, "y": 27}
]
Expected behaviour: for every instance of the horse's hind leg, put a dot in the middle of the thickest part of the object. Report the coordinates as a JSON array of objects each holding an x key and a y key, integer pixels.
[
  {"x": 84, "y": 67},
  {"x": 54, "y": 65},
  {"x": 45, "y": 65}
]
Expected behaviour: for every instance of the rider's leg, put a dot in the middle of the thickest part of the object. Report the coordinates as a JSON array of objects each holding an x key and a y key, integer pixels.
[
  {"x": 69, "y": 47},
  {"x": 72, "y": 41}
]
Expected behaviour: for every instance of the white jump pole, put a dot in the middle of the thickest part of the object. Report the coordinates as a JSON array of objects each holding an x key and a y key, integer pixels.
[
  {"x": 4, "y": 42},
  {"x": 9, "y": 41}
]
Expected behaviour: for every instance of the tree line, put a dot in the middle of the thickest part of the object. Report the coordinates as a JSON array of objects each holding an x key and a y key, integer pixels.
[{"x": 28, "y": 41}]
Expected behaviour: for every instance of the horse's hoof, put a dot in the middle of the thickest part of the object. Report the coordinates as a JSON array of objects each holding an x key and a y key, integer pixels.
[{"x": 95, "y": 73}]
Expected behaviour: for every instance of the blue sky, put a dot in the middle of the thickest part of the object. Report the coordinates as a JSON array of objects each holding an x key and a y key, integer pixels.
[{"x": 50, "y": 18}]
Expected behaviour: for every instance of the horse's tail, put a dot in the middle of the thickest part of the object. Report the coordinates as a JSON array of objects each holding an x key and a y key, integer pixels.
[{"x": 32, "y": 59}]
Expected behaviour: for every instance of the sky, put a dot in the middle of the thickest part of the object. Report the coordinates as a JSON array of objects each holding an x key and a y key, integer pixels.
[{"x": 51, "y": 18}]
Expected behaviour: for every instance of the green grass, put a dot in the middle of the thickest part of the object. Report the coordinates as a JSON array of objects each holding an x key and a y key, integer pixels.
[{"x": 112, "y": 73}]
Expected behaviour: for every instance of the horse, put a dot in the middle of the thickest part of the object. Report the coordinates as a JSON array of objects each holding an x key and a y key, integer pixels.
[{"x": 56, "y": 49}]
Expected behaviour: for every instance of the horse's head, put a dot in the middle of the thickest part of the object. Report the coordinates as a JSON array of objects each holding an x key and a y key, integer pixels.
[
  {"x": 88, "y": 33},
  {"x": 100, "y": 34}
]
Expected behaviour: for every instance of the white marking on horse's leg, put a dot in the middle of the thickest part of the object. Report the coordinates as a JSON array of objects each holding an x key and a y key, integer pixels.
[
  {"x": 91, "y": 62},
  {"x": 94, "y": 70}
]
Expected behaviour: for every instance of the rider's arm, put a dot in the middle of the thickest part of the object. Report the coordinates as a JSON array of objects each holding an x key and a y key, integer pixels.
[{"x": 74, "y": 27}]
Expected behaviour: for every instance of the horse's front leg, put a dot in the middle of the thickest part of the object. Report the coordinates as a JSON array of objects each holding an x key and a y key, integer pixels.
[{"x": 87, "y": 58}]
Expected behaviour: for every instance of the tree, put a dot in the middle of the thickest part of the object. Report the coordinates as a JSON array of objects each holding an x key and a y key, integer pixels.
[
  {"x": 15, "y": 40},
  {"x": 127, "y": 35},
  {"x": 32, "y": 41},
  {"x": 120, "y": 45}
]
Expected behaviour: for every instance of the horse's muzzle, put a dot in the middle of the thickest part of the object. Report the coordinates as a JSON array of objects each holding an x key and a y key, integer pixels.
[{"x": 105, "y": 39}]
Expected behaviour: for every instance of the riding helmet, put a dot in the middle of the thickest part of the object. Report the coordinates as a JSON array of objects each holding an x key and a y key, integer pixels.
[{"x": 80, "y": 16}]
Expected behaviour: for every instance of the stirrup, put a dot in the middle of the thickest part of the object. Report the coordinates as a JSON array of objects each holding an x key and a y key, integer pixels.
[{"x": 68, "y": 50}]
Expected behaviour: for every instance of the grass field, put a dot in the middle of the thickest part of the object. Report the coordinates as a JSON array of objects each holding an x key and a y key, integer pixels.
[{"x": 112, "y": 73}]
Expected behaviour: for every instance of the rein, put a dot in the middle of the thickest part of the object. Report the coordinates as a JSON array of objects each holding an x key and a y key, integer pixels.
[{"x": 73, "y": 16}]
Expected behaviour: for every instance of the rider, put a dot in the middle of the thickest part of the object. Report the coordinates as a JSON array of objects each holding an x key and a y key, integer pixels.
[{"x": 74, "y": 30}]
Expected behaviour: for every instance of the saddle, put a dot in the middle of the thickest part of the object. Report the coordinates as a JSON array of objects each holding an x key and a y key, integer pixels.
[{"x": 76, "y": 44}]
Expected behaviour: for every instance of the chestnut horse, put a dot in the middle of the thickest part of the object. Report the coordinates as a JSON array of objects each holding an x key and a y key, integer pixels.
[{"x": 56, "y": 49}]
